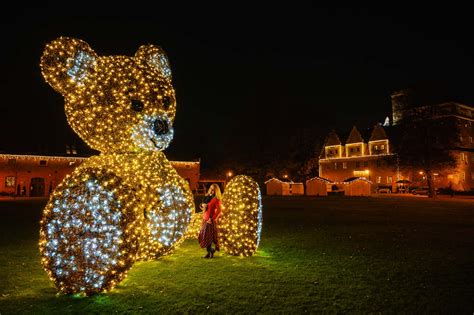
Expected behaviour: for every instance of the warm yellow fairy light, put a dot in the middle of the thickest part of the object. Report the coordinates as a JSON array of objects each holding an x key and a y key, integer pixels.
[
  {"x": 114, "y": 103},
  {"x": 194, "y": 226},
  {"x": 128, "y": 203},
  {"x": 241, "y": 222}
]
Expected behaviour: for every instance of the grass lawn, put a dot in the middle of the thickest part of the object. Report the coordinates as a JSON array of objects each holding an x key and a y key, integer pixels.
[{"x": 334, "y": 254}]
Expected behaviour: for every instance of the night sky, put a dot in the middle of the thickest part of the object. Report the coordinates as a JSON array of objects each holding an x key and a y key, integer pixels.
[{"x": 247, "y": 78}]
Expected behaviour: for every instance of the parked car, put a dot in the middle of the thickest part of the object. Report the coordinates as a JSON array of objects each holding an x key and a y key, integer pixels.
[
  {"x": 420, "y": 191},
  {"x": 335, "y": 190},
  {"x": 423, "y": 190},
  {"x": 384, "y": 189}
]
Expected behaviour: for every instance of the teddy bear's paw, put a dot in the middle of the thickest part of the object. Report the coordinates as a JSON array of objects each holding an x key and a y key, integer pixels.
[
  {"x": 85, "y": 239},
  {"x": 166, "y": 221},
  {"x": 241, "y": 221}
]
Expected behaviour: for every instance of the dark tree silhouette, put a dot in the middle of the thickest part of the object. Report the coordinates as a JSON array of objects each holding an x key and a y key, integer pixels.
[{"x": 428, "y": 137}]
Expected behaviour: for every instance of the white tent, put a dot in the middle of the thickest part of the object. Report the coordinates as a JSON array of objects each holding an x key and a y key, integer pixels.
[
  {"x": 281, "y": 188},
  {"x": 317, "y": 186}
]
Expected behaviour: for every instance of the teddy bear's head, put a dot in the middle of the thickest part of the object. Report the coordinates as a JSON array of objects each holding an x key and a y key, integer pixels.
[{"x": 115, "y": 103}]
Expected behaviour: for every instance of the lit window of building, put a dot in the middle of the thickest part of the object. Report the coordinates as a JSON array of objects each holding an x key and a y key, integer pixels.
[
  {"x": 10, "y": 181},
  {"x": 379, "y": 179},
  {"x": 389, "y": 179},
  {"x": 344, "y": 165}
]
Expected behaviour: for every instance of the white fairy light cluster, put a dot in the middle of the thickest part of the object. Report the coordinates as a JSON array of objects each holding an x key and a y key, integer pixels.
[
  {"x": 83, "y": 240},
  {"x": 167, "y": 221},
  {"x": 241, "y": 222},
  {"x": 160, "y": 61},
  {"x": 80, "y": 65},
  {"x": 145, "y": 136}
]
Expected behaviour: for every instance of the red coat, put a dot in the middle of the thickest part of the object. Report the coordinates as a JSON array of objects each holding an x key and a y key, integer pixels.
[{"x": 213, "y": 209}]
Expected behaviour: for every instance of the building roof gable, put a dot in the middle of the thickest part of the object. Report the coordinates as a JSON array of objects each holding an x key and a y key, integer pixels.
[
  {"x": 354, "y": 136},
  {"x": 378, "y": 133}
]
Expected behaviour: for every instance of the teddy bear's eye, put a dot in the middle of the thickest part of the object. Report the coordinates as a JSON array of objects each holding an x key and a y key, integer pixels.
[
  {"x": 137, "y": 105},
  {"x": 166, "y": 102}
]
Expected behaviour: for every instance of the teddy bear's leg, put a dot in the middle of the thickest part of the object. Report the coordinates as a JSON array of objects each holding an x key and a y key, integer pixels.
[
  {"x": 241, "y": 221},
  {"x": 168, "y": 219},
  {"x": 86, "y": 241}
]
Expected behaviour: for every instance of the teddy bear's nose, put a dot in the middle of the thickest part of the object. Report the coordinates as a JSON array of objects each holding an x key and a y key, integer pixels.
[{"x": 160, "y": 127}]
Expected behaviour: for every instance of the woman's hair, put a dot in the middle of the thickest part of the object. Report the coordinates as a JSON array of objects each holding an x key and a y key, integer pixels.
[{"x": 217, "y": 191}]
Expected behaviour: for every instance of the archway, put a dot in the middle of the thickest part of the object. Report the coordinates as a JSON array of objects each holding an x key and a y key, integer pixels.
[{"x": 37, "y": 187}]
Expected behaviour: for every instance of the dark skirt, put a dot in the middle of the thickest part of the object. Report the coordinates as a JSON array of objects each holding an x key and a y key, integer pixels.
[{"x": 208, "y": 234}]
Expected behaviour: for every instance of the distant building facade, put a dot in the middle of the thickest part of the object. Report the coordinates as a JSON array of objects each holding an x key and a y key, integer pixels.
[
  {"x": 367, "y": 157},
  {"x": 358, "y": 157},
  {"x": 37, "y": 175}
]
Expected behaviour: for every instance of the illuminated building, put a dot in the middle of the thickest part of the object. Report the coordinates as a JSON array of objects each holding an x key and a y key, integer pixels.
[
  {"x": 365, "y": 154},
  {"x": 32, "y": 175},
  {"x": 358, "y": 157}
]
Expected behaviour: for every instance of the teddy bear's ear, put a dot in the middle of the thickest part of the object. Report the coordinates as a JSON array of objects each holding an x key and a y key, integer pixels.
[
  {"x": 154, "y": 57},
  {"x": 66, "y": 63}
]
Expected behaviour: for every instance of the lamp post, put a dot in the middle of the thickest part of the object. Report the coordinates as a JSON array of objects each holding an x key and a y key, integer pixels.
[{"x": 228, "y": 175}]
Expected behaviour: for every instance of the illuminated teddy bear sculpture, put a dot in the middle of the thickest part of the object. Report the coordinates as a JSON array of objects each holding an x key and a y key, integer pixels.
[{"x": 128, "y": 203}]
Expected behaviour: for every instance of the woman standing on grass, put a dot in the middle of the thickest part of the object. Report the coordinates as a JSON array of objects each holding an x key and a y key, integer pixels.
[{"x": 209, "y": 229}]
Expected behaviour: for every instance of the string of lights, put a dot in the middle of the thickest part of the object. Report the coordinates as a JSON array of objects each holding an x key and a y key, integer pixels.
[
  {"x": 109, "y": 99},
  {"x": 128, "y": 203},
  {"x": 241, "y": 222}
]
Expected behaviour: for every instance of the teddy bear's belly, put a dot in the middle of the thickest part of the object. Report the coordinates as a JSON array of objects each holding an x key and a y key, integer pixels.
[{"x": 163, "y": 201}]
